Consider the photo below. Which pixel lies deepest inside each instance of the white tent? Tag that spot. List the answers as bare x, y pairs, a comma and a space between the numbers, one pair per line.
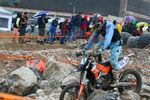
5, 19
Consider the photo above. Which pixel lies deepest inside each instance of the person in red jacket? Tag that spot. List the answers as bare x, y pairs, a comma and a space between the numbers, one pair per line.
84, 24
64, 30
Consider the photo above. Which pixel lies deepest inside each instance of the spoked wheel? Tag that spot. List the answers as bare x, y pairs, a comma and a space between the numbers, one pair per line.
133, 77
70, 92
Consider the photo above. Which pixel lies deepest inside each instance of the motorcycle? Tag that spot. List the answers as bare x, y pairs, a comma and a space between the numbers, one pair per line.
99, 76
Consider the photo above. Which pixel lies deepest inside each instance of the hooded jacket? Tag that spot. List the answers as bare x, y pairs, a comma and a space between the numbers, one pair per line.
84, 23
109, 35
54, 26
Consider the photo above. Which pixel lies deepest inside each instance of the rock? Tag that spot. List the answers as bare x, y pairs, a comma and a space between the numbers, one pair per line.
144, 40
55, 94
4, 85
145, 95
133, 42
94, 93
33, 95
145, 92
148, 82
40, 92
101, 95
125, 36
43, 98
69, 80
130, 95
145, 88
51, 84
24, 81
51, 68
36, 71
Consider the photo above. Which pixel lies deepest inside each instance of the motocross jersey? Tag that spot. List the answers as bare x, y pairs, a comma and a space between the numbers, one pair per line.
109, 31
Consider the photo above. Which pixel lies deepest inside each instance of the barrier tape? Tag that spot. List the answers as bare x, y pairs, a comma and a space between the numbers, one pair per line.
79, 63
68, 61
37, 36
136, 66
15, 57
4, 96
147, 46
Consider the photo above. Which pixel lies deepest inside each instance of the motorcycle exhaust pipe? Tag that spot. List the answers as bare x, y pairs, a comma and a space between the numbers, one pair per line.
126, 84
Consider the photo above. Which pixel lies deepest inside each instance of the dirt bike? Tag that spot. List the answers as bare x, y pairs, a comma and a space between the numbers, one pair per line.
99, 76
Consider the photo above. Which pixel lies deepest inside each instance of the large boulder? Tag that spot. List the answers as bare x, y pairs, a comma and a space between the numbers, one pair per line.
24, 81
133, 42
144, 40
36, 71
54, 75
101, 95
51, 84
52, 68
125, 36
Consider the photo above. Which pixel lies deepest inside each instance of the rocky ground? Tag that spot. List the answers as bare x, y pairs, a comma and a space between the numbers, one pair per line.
50, 88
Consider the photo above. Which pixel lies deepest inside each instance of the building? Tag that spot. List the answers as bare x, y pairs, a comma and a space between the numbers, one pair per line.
121, 8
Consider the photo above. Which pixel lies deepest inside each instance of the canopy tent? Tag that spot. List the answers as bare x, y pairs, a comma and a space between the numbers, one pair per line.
5, 20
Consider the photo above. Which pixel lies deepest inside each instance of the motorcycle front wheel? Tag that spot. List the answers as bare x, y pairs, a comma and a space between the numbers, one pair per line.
131, 75
70, 92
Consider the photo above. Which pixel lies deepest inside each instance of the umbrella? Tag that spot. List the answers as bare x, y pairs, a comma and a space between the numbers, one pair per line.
134, 22
144, 24
129, 18
40, 13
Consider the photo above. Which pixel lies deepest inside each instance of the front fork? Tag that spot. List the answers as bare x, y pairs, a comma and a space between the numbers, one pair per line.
82, 87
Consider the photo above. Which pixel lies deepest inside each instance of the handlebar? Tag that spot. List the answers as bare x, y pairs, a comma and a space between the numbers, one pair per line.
74, 70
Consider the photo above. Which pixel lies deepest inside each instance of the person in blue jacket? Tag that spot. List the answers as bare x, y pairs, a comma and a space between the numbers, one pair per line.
72, 28
52, 31
112, 40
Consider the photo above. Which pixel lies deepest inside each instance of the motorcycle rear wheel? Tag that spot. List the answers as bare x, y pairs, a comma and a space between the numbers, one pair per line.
137, 79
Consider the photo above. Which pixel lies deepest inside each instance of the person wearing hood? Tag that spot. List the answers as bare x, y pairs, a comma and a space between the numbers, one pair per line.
83, 26
119, 26
64, 30
72, 28
52, 31
78, 19
41, 26
23, 24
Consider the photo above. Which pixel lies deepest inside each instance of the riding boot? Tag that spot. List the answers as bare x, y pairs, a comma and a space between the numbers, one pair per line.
115, 78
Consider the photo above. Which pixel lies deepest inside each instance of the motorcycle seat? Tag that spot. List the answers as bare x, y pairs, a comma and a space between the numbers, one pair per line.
107, 62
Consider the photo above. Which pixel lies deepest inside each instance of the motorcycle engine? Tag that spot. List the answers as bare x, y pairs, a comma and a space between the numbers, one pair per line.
104, 81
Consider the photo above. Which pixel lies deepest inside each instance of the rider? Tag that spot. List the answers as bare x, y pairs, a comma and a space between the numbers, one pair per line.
112, 40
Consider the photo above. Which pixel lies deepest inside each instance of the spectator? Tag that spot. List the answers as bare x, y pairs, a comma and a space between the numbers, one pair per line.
64, 27
119, 26
132, 29
88, 29
125, 27
42, 22
52, 31
78, 19
84, 24
23, 24
16, 26
115, 22
72, 28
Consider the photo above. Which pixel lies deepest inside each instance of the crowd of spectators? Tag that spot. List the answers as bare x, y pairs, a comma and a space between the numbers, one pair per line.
77, 27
